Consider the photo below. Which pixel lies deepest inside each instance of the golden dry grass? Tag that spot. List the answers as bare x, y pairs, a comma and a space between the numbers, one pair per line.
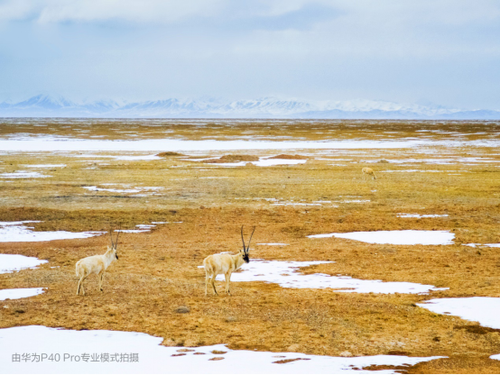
206, 204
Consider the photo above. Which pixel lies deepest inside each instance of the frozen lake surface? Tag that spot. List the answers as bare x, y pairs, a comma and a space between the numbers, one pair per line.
285, 274
133, 352
397, 237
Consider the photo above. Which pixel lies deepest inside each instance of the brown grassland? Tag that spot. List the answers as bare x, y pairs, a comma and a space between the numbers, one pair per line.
206, 203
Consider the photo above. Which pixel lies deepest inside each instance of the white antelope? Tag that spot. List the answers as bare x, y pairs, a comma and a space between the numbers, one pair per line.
96, 264
369, 172
226, 264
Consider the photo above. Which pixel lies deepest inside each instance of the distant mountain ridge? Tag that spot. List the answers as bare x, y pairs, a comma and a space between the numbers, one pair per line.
47, 106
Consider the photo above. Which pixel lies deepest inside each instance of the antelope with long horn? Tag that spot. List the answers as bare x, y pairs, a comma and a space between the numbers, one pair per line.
96, 264
226, 264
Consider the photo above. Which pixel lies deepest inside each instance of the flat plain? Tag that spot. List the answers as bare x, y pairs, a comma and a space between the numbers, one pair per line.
198, 181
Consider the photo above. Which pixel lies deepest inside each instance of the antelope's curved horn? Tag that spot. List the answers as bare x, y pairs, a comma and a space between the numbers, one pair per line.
244, 248
118, 234
111, 237
248, 248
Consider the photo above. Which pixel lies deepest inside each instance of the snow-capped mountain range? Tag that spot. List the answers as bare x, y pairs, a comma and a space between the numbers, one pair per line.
47, 106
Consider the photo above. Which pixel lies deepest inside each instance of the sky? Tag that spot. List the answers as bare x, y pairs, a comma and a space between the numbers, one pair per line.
430, 52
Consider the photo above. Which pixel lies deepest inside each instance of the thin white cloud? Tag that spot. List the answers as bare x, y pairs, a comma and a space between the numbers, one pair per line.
444, 12
14, 10
133, 11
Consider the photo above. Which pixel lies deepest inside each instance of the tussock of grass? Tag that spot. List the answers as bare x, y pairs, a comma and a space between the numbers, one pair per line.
169, 154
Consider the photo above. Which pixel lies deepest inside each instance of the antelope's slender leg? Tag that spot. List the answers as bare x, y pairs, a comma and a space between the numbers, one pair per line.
101, 276
212, 280
80, 285
228, 278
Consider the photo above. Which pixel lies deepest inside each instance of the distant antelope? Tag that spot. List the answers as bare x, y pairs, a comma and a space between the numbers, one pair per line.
226, 264
369, 172
96, 264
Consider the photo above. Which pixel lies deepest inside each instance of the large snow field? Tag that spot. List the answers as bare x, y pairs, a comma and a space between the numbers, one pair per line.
46, 143
284, 273
86, 351
396, 237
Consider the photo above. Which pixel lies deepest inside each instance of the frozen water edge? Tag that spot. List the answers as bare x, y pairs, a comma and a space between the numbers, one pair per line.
154, 358
36, 144
396, 237
15, 262
18, 232
284, 273
477, 309
19, 293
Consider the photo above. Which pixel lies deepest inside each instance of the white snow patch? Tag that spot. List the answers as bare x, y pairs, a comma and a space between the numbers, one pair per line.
95, 188
397, 237
296, 204
420, 216
18, 232
285, 274
143, 228
270, 162
477, 309
485, 244
154, 358
355, 201
19, 293
137, 157
15, 262
45, 165
23, 174
127, 191
281, 202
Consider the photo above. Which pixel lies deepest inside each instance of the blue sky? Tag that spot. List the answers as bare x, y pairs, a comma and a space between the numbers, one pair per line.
444, 52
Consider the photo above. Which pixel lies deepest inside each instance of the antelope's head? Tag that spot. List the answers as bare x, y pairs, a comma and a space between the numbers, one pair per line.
246, 249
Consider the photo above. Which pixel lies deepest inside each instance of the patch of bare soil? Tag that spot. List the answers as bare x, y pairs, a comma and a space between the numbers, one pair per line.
291, 157
233, 159
169, 154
